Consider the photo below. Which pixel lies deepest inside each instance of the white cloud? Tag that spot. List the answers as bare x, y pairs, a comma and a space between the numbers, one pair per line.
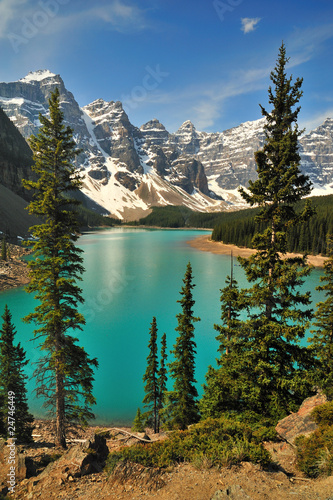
316, 120
9, 10
16, 16
249, 24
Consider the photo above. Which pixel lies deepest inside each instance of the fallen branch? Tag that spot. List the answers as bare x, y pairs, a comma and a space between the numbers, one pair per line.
130, 434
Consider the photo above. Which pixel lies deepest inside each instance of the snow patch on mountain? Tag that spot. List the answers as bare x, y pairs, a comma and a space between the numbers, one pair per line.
37, 76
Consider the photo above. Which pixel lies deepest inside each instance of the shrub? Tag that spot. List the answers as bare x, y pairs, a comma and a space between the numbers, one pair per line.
212, 442
323, 414
315, 453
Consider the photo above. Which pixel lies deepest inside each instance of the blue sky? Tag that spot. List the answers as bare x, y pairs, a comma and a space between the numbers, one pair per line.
207, 61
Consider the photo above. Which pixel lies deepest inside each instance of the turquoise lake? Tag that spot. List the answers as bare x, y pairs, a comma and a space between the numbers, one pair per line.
132, 275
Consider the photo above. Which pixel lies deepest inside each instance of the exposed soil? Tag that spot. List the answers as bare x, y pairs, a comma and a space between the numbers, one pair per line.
14, 271
206, 244
182, 482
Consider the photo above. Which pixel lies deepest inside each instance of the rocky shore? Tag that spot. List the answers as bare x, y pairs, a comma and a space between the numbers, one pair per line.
14, 272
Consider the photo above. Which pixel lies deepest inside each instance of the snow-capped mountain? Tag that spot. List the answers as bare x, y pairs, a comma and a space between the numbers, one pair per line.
124, 171
128, 169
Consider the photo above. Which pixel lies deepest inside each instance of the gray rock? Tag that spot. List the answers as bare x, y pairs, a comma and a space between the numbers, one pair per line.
234, 492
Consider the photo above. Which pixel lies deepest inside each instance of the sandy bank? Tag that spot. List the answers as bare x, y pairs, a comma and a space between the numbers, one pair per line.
205, 244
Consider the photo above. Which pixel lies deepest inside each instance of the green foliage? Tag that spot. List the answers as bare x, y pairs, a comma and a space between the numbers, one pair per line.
272, 363
4, 255
64, 373
12, 382
138, 422
88, 219
239, 228
184, 409
162, 380
151, 379
315, 453
322, 340
180, 216
218, 442
323, 414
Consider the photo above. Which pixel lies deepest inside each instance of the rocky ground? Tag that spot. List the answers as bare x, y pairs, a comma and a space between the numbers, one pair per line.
47, 472
14, 271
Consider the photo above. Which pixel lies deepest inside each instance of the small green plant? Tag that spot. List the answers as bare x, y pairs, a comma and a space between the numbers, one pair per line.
323, 414
315, 453
138, 423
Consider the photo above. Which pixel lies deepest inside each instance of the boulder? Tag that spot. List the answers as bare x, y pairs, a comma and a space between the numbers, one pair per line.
84, 458
300, 423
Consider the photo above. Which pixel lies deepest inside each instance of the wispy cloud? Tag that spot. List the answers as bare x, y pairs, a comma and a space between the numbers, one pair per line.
18, 16
316, 120
249, 24
9, 10
118, 15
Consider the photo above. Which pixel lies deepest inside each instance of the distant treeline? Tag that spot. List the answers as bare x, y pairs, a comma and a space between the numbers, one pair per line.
179, 216
89, 218
238, 228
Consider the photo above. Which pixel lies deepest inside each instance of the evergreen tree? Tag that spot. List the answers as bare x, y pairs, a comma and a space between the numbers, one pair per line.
138, 422
322, 340
184, 408
162, 381
276, 361
222, 391
233, 301
64, 373
16, 416
4, 248
151, 378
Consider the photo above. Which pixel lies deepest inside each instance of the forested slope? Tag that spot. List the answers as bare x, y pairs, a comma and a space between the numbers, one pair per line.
239, 228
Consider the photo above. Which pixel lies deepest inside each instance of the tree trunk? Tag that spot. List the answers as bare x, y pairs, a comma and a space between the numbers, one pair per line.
60, 435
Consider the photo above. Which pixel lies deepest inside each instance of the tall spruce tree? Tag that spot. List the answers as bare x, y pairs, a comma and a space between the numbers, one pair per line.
222, 390
275, 360
184, 407
162, 380
65, 372
14, 416
151, 388
322, 340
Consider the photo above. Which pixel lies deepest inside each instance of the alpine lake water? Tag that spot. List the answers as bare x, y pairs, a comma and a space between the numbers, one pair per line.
132, 275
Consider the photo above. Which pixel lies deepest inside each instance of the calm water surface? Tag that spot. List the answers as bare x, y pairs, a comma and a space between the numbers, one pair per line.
132, 275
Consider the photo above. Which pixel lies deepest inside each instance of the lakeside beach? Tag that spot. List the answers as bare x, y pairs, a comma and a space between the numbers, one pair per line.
206, 244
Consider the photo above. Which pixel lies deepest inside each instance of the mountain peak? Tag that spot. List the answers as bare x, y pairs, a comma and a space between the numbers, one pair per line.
37, 76
187, 125
152, 124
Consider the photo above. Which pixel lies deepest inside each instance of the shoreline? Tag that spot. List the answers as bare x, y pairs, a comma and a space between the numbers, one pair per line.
205, 244
14, 272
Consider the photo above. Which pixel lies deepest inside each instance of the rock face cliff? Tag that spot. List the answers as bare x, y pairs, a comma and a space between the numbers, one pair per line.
15, 157
128, 169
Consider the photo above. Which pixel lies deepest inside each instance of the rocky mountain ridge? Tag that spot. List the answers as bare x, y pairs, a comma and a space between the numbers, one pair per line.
128, 169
